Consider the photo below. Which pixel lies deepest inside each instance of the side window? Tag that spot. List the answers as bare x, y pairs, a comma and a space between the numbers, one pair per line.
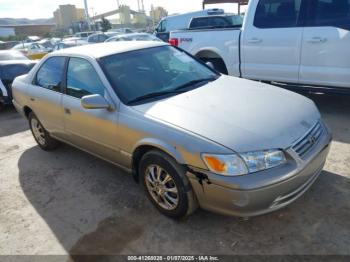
82, 79
200, 22
102, 38
162, 27
220, 22
277, 13
330, 13
50, 73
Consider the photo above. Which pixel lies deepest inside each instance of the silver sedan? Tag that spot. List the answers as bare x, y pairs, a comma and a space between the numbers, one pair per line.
190, 136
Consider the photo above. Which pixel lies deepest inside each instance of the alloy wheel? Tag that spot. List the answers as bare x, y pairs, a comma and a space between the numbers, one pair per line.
161, 187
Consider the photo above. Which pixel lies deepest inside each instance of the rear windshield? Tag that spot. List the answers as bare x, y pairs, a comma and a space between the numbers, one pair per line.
216, 22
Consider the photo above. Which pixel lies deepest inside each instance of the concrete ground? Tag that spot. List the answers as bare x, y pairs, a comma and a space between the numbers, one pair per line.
67, 201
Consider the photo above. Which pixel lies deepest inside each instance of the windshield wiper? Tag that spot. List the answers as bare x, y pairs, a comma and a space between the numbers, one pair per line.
178, 90
153, 95
194, 82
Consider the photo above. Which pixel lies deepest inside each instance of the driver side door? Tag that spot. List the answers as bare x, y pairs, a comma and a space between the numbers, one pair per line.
93, 130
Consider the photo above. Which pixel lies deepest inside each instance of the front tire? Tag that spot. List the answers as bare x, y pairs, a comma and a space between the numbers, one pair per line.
166, 185
41, 136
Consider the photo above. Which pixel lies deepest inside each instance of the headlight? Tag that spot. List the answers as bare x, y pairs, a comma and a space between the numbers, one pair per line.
261, 160
236, 165
228, 165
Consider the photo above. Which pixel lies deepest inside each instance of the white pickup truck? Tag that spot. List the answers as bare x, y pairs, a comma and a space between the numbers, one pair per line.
295, 42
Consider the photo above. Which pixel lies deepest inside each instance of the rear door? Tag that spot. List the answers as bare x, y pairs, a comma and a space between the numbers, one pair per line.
271, 40
45, 94
94, 130
325, 57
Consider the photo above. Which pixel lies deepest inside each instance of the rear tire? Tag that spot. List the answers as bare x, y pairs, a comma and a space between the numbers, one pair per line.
41, 136
219, 64
166, 185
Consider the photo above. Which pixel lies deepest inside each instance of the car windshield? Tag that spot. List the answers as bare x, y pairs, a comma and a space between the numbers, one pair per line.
153, 73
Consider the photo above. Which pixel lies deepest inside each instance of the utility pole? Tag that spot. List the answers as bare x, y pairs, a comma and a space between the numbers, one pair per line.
152, 15
87, 14
143, 6
118, 4
93, 18
138, 5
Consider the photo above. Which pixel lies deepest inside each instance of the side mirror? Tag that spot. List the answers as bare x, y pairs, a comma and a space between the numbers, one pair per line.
95, 102
210, 64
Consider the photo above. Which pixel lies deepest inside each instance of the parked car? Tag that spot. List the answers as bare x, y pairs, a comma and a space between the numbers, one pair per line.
8, 45
9, 69
190, 135
121, 30
289, 42
101, 37
133, 37
216, 21
176, 22
68, 44
48, 43
31, 50
7, 55
84, 35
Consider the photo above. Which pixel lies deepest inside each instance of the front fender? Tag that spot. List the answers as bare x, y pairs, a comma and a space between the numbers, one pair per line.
161, 145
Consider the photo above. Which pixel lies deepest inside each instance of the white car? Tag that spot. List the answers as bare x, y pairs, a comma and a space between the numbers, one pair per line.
291, 42
133, 37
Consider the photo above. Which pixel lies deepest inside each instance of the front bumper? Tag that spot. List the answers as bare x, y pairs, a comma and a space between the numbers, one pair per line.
261, 192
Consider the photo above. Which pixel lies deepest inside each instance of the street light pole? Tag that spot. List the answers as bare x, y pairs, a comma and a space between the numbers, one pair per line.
87, 14
93, 18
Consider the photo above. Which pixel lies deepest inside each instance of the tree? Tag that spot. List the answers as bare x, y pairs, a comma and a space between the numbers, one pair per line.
105, 24
158, 13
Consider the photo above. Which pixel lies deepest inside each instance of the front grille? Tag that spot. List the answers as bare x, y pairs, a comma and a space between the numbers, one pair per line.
306, 143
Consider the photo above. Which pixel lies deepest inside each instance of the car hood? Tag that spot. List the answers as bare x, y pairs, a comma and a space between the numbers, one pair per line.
239, 114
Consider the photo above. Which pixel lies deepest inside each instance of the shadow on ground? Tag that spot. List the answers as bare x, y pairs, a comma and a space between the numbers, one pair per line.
94, 208
18, 123
335, 110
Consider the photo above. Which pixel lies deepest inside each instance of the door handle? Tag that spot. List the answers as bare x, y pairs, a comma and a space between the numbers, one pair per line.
67, 111
255, 40
317, 39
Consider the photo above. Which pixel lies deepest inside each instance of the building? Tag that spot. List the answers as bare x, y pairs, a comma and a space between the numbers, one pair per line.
124, 17
25, 30
66, 15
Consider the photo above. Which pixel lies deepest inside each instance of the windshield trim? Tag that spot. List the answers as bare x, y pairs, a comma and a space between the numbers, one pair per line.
123, 99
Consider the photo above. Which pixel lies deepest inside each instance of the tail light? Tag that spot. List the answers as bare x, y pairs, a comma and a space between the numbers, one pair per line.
174, 41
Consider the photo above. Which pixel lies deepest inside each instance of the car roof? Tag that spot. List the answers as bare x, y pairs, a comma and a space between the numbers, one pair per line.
18, 62
109, 48
10, 51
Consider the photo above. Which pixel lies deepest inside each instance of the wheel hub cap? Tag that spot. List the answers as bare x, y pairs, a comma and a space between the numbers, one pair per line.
161, 187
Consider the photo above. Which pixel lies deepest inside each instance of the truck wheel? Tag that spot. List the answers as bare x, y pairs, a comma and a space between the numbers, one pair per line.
166, 185
41, 136
218, 63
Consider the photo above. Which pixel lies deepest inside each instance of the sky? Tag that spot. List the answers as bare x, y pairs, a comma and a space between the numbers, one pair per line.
33, 9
